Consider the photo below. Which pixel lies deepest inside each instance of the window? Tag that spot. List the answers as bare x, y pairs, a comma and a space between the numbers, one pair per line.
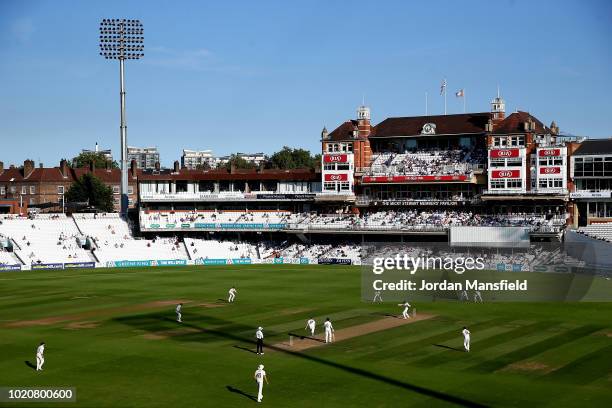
32, 189
498, 162
514, 162
24, 190
2, 190
497, 184
329, 166
13, 189
60, 189
515, 183
130, 189
115, 189
499, 141
516, 141
345, 186
31, 202
343, 166
329, 186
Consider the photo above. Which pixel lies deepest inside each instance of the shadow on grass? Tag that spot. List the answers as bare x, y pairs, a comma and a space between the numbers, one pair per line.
302, 337
32, 366
224, 329
240, 392
245, 349
448, 347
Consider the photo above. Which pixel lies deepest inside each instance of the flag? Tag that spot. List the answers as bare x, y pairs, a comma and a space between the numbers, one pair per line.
443, 87
459, 93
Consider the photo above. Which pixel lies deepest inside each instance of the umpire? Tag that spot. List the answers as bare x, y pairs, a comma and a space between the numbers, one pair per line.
259, 336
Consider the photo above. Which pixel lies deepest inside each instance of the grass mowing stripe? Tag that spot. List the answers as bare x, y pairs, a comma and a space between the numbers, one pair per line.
536, 348
444, 357
438, 338
585, 369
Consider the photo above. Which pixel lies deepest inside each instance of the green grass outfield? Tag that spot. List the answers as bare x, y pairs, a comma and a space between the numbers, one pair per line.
130, 355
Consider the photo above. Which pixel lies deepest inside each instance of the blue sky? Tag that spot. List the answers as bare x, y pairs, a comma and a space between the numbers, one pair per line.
257, 75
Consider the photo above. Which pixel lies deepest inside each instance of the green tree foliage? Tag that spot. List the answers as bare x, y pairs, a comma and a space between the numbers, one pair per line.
83, 160
288, 158
89, 188
239, 163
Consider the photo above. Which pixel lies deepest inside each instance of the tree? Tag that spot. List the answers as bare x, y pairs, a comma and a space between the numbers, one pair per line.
203, 166
85, 158
288, 158
239, 163
89, 188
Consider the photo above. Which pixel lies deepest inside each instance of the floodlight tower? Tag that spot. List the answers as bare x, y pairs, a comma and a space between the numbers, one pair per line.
122, 39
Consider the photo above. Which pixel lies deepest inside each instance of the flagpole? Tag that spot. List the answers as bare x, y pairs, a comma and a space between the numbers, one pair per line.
426, 110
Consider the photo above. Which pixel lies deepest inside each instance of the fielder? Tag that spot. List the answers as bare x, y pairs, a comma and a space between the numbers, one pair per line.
464, 296
260, 377
406, 305
310, 324
179, 314
466, 339
477, 297
377, 297
329, 331
40, 356
259, 336
232, 295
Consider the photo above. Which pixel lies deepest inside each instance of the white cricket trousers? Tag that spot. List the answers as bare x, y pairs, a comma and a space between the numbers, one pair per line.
466, 343
231, 297
179, 317
405, 313
40, 360
312, 330
260, 390
328, 336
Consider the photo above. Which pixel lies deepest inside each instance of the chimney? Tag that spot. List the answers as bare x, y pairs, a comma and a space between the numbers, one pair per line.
133, 168
232, 167
40, 165
176, 166
28, 168
64, 168
1, 167
157, 167
92, 166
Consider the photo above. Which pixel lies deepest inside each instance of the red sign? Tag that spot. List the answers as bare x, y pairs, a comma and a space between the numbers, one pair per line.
405, 179
335, 158
502, 174
503, 153
549, 152
550, 170
336, 177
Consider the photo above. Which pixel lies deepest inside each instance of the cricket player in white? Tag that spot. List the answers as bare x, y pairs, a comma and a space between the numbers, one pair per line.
377, 297
232, 295
179, 314
260, 377
464, 296
40, 356
329, 331
466, 339
477, 297
406, 306
310, 324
